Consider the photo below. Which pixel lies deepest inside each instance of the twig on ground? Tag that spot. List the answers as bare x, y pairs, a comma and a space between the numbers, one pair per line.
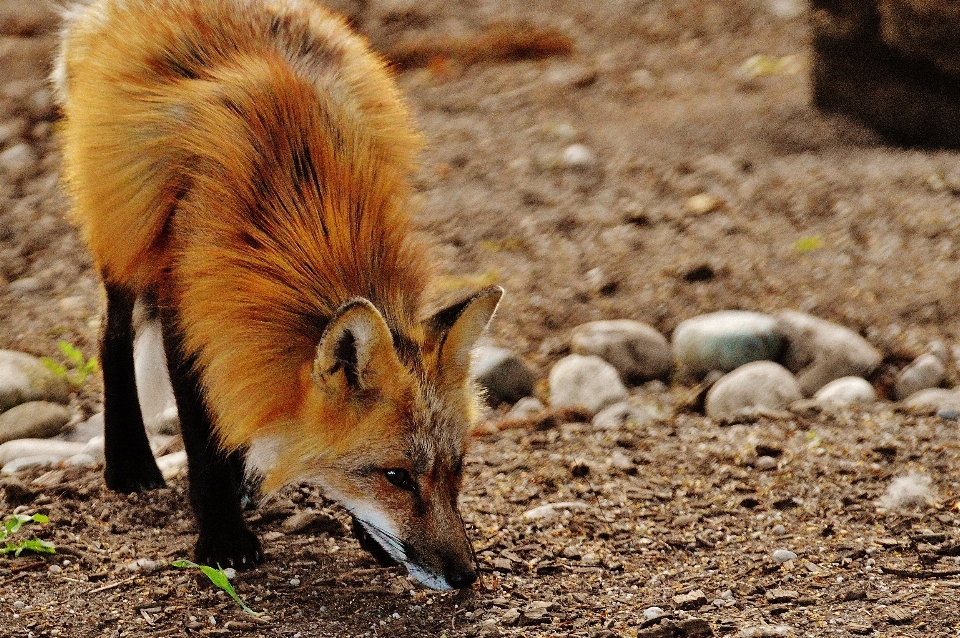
919, 573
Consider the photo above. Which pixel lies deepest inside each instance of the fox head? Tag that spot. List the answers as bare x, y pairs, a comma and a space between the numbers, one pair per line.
384, 428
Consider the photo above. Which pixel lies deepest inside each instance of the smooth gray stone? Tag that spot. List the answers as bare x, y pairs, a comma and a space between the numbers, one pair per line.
502, 373
756, 386
926, 371
586, 382
725, 341
638, 351
33, 420
24, 378
846, 391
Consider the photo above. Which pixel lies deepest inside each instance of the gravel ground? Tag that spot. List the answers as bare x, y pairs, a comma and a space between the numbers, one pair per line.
697, 188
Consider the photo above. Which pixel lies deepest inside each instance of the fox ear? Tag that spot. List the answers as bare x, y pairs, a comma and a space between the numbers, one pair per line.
355, 344
457, 328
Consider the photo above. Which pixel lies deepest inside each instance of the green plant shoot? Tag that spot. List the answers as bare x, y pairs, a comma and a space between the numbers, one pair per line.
218, 578
12, 525
78, 368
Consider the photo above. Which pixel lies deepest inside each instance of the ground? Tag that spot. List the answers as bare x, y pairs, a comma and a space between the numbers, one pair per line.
801, 211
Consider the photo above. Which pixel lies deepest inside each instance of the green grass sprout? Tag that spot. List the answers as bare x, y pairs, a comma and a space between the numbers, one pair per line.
77, 369
808, 244
218, 578
12, 525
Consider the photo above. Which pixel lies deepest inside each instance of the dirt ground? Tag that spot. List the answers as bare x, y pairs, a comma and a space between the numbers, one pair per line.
802, 212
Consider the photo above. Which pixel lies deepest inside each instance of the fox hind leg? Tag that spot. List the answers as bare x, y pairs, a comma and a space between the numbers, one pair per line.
130, 466
224, 538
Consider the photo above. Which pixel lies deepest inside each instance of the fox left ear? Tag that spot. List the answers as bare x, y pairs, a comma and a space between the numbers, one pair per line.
457, 328
357, 344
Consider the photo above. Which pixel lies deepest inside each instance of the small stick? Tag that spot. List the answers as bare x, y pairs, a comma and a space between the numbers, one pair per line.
112, 585
20, 568
919, 573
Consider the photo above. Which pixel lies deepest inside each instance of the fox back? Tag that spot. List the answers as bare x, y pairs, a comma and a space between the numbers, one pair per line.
244, 165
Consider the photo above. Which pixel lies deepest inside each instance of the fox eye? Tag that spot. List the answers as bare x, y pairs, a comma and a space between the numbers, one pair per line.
401, 478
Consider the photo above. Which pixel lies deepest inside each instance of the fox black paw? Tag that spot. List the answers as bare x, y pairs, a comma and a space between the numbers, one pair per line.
130, 479
366, 541
239, 549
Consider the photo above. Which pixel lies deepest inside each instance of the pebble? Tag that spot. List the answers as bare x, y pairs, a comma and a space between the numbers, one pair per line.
724, 341
294, 582
765, 463
756, 386
637, 350
551, 510
766, 631
300, 521
820, 351
778, 530
846, 391
691, 600
94, 448
45, 448
146, 565
27, 284
652, 612
172, 464
18, 161
33, 420
525, 408
587, 382
578, 157
621, 461
926, 371
157, 403
619, 414
24, 378
55, 569
14, 466
934, 399
502, 373
19, 604
783, 555
230, 573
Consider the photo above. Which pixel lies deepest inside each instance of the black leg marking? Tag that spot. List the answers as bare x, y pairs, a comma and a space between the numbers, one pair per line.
224, 538
130, 466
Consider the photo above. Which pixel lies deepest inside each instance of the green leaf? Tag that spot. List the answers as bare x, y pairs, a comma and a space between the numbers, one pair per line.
808, 244
54, 367
218, 578
72, 353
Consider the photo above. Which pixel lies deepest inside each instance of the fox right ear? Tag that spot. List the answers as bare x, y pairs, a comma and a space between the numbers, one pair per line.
356, 344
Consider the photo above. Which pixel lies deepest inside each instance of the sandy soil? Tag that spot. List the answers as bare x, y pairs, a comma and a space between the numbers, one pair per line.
805, 212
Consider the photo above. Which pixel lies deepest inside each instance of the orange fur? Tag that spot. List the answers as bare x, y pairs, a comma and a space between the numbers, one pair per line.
189, 145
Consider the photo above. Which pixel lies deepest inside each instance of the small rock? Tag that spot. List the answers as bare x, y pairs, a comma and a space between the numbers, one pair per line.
172, 464
926, 371
142, 565
900, 615
33, 420
94, 449
693, 600
85, 431
27, 284
502, 373
702, 204
55, 569
300, 521
19, 161
294, 582
45, 448
652, 612
617, 415
587, 382
638, 351
23, 462
525, 408
756, 386
934, 399
846, 391
80, 460
819, 351
724, 341
764, 463
551, 510
24, 378
510, 617
578, 157
783, 555
778, 530
621, 461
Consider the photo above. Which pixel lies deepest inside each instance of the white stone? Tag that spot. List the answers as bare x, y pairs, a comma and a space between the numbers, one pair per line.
783, 555
578, 157
619, 414
550, 510
638, 351
652, 612
51, 448
846, 391
587, 382
94, 449
926, 371
724, 341
819, 351
172, 464
33, 420
80, 460
24, 378
18, 161
502, 373
17, 464
934, 399
756, 386
157, 403
525, 408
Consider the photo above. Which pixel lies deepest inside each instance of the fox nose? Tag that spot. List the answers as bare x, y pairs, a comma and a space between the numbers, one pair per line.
462, 579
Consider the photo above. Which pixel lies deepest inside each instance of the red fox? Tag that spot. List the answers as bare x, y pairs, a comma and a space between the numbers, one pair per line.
241, 168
